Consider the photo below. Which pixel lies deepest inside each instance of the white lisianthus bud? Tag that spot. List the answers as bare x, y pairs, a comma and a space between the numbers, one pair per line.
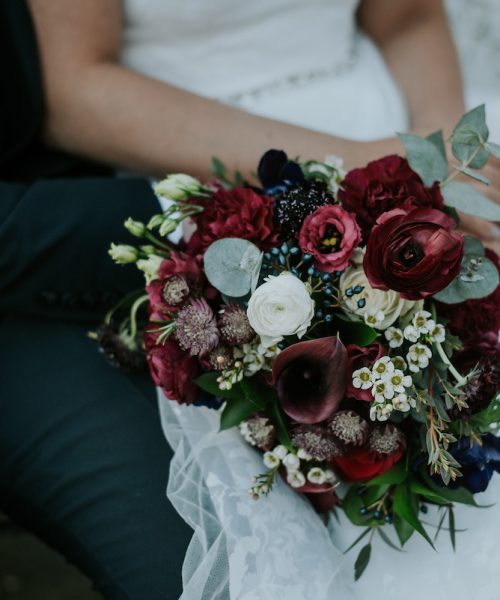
358, 296
167, 227
123, 254
150, 266
280, 306
155, 221
178, 186
136, 228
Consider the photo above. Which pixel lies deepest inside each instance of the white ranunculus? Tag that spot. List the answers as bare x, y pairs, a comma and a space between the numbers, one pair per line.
388, 302
280, 306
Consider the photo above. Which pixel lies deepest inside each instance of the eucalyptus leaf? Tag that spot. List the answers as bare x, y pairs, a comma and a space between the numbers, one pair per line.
469, 136
437, 139
362, 561
474, 174
478, 278
464, 197
493, 149
424, 158
473, 246
232, 265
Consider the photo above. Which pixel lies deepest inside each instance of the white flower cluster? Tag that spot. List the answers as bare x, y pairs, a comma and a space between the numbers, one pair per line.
388, 384
251, 358
292, 463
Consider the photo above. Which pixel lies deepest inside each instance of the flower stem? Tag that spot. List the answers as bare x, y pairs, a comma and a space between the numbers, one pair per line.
133, 315
460, 379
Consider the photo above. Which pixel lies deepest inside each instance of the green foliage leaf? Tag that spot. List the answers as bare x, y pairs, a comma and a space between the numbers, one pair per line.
232, 265
235, 411
396, 475
362, 561
425, 158
374, 493
418, 488
405, 505
358, 539
469, 136
387, 539
478, 278
355, 332
464, 197
473, 174
278, 419
352, 504
460, 495
208, 383
403, 529
451, 525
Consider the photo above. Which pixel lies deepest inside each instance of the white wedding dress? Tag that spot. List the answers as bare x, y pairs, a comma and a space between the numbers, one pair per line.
304, 63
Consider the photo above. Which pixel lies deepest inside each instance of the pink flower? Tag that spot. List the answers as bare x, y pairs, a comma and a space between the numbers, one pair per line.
330, 234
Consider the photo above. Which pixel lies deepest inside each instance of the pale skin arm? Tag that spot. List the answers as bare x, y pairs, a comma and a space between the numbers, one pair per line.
100, 109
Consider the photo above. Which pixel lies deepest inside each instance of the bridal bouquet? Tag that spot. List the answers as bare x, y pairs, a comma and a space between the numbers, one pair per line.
340, 320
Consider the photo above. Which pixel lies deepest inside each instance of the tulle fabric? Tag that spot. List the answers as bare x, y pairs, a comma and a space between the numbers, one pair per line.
279, 548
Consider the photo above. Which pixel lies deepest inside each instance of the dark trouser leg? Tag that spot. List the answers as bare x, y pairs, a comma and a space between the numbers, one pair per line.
84, 463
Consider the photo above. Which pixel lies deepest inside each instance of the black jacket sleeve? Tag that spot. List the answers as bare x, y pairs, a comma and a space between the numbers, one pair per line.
54, 238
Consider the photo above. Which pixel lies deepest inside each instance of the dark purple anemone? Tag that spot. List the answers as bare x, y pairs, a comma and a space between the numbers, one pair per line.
310, 378
276, 172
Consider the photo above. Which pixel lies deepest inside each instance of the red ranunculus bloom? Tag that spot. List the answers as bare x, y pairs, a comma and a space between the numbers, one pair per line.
174, 371
365, 464
383, 185
415, 253
359, 357
475, 319
240, 213
330, 234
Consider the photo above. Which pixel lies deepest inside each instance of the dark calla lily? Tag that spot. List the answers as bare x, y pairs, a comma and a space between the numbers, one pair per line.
310, 378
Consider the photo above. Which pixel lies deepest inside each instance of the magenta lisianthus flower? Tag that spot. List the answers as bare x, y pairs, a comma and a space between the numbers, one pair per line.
310, 378
330, 234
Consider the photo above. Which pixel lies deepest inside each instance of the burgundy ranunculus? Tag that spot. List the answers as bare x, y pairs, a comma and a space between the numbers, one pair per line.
236, 213
174, 371
485, 385
359, 357
415, 253
330, 234
474, 319
383, 185
310, 378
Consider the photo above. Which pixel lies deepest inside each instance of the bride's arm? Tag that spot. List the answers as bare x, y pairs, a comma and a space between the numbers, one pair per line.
414, 38
100, 109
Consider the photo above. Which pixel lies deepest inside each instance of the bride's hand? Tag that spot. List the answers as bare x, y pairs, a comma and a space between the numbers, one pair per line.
487, 231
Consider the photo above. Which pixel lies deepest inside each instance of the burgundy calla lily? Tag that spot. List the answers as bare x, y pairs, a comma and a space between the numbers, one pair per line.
310, 378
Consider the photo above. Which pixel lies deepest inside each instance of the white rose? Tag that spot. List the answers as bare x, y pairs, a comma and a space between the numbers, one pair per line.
280, 306
388, 302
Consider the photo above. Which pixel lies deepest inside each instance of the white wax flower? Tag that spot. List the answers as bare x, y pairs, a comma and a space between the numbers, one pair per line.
387, 302
280, 306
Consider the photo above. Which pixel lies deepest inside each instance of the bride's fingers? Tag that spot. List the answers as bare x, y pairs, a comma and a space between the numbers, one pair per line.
484, 230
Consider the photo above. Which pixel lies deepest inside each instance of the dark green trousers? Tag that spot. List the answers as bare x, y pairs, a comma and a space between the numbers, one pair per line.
83, 461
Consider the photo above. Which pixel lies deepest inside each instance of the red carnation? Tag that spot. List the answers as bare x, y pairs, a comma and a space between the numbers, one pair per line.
236, 213
475, 319
415, 253
330, 234
383, 185
359, 357
174, 371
